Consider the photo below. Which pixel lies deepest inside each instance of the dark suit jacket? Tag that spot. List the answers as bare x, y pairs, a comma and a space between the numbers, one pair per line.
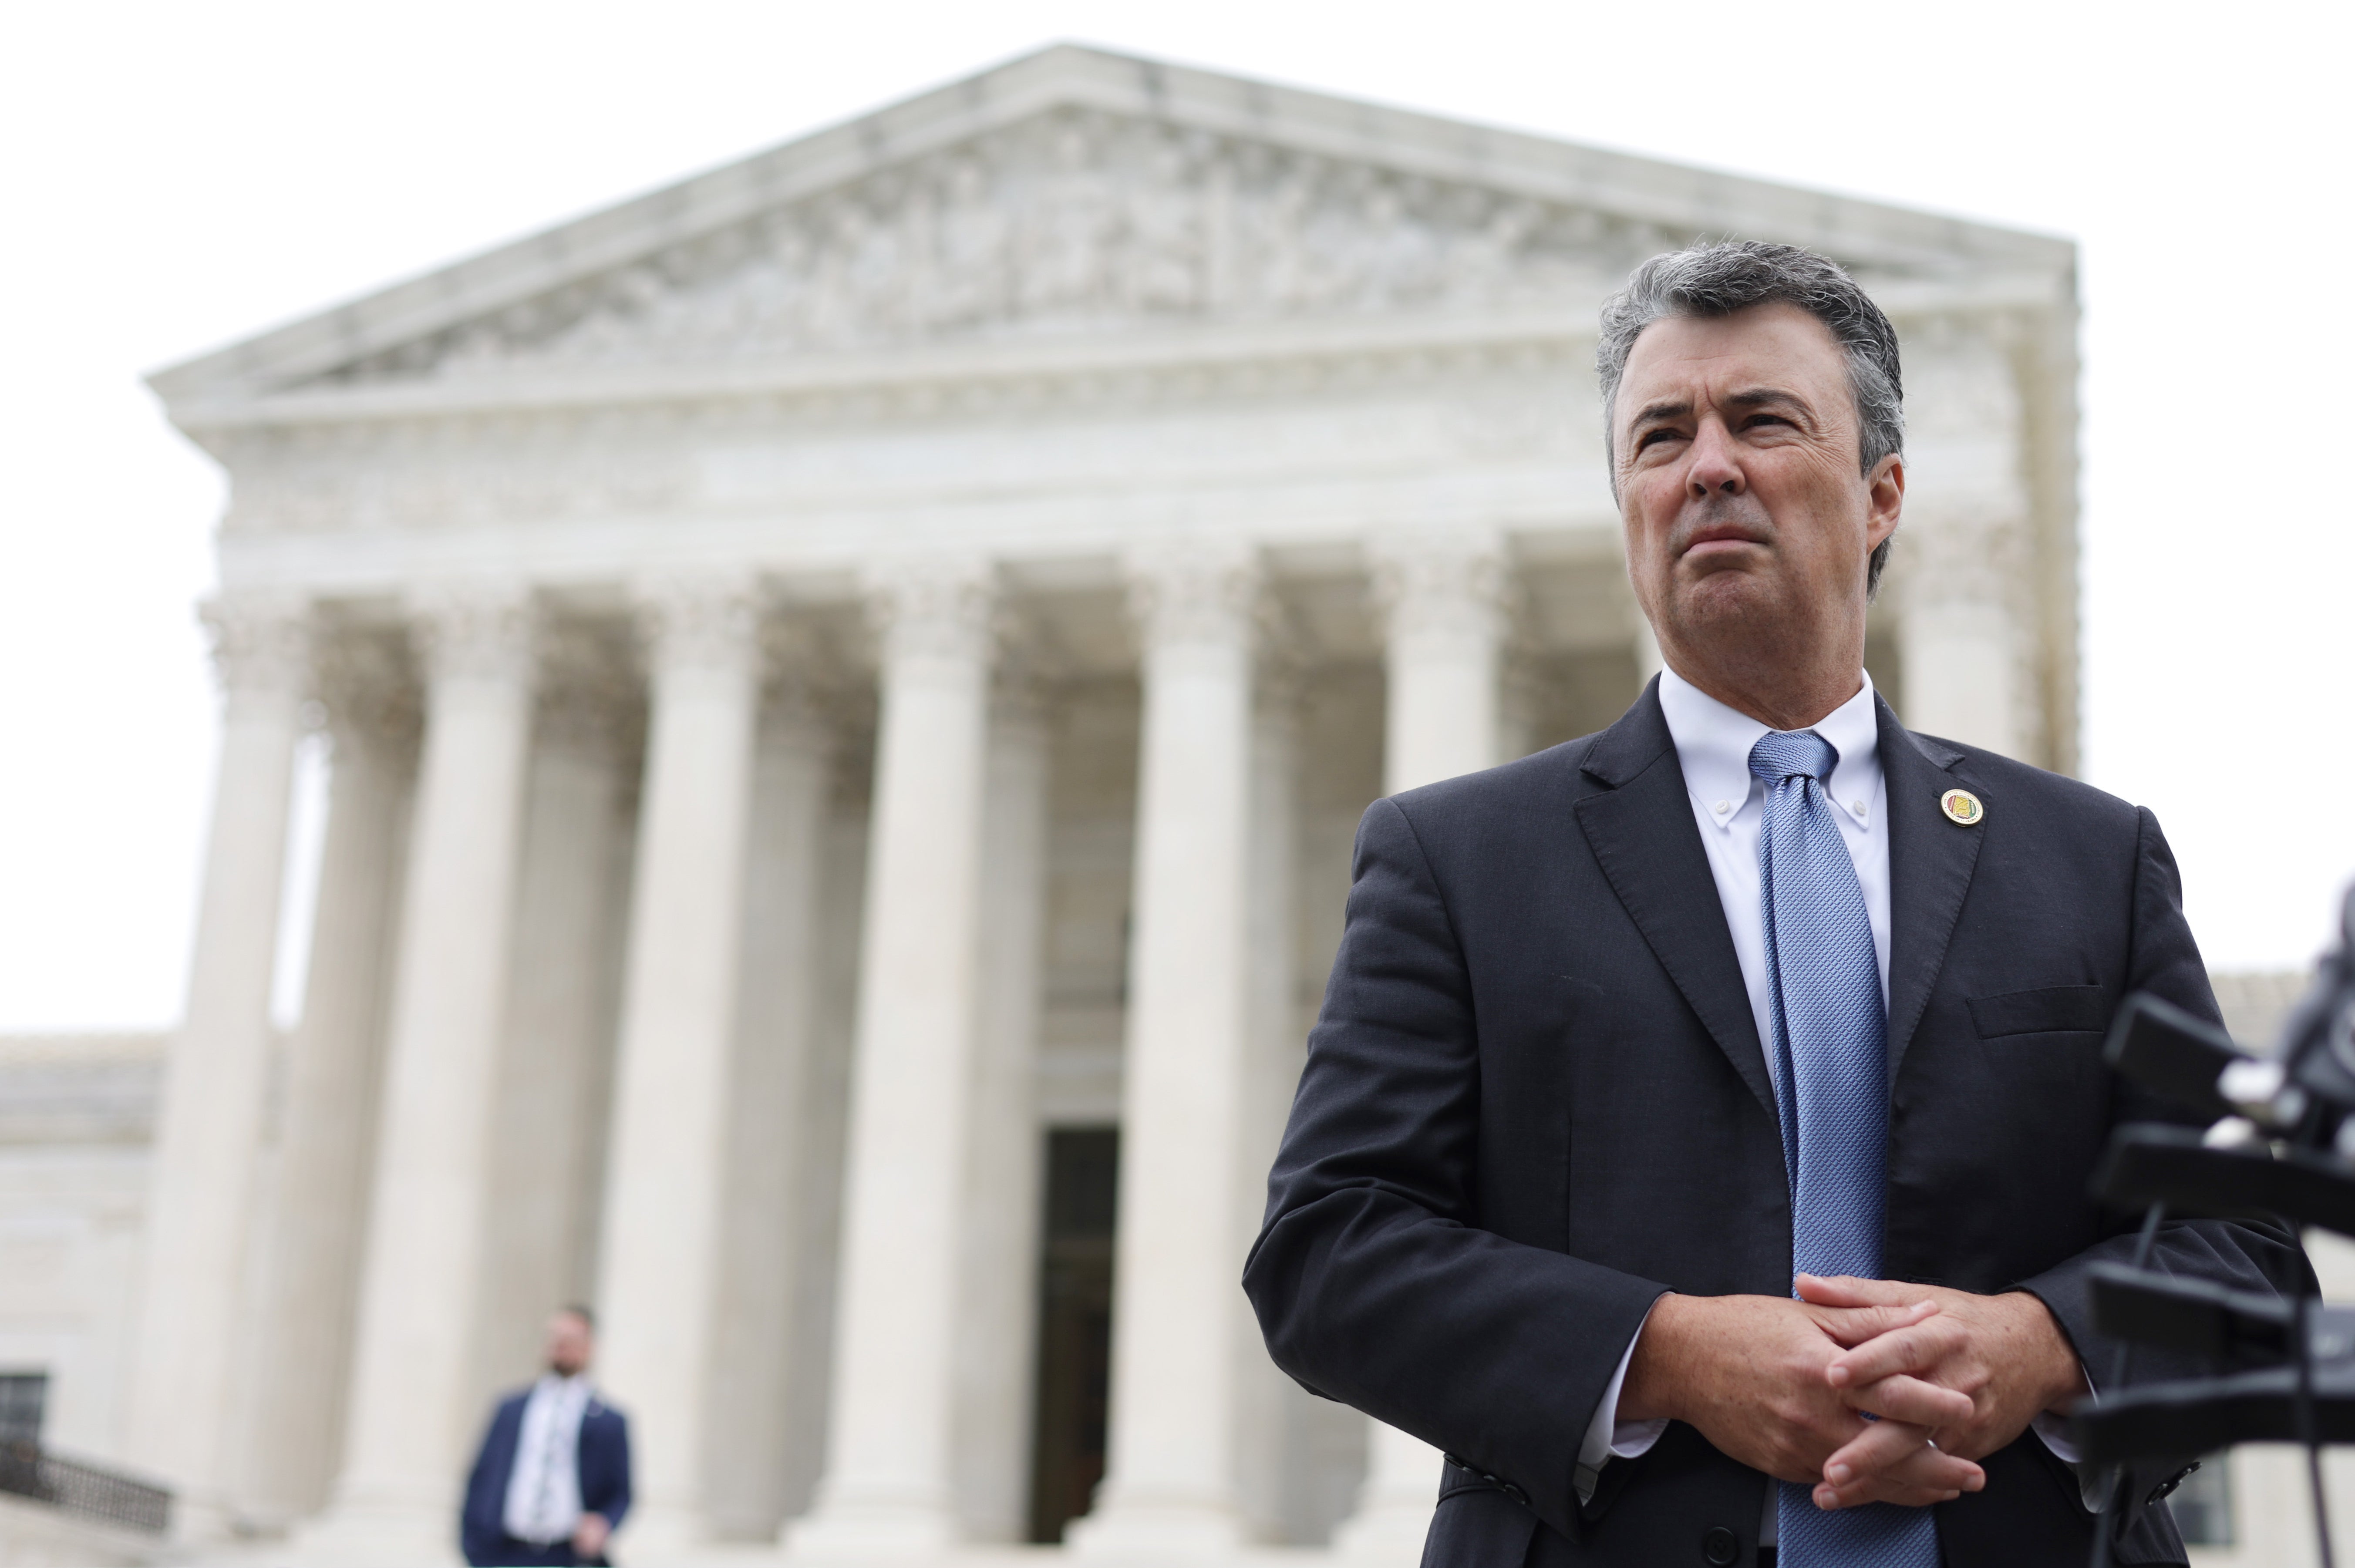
1536, 1100
604, 1472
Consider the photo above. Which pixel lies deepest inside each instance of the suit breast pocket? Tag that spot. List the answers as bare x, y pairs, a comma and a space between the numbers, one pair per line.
2046, 1045
2048, 1009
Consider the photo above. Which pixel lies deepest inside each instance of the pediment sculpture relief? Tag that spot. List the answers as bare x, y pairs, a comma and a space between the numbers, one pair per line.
1072, 222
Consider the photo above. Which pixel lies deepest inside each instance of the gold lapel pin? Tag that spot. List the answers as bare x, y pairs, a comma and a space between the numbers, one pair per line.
1961, 807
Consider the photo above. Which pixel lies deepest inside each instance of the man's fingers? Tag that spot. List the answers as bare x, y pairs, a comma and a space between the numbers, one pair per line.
1899, 1451
1879, 1448
1915, 1347
1910, 1400
1918, 1475
1849, 1327
1831, 1498
1848, 1290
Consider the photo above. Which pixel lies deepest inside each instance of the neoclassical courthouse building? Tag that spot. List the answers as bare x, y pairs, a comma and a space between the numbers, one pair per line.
849, 683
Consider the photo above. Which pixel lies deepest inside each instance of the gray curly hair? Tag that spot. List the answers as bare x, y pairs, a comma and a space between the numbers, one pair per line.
1721, 279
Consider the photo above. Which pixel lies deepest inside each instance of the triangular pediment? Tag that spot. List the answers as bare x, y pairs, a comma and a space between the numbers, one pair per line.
1074, 221
1072, 193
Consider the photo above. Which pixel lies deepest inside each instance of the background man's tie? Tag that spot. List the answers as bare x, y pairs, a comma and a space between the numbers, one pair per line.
1830, 1051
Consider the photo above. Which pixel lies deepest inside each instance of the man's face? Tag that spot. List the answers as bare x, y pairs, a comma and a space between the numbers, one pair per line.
570, 1345
1736, 441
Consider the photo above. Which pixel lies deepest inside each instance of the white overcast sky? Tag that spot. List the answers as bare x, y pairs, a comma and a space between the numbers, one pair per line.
183, 174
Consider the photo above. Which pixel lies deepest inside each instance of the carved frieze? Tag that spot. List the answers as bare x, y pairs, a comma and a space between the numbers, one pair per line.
1075, 220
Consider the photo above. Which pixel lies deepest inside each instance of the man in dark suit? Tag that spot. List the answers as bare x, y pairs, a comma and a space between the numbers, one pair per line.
1696, 1139
552, 1481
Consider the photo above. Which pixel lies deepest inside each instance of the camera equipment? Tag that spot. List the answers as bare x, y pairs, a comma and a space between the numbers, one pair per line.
2281, 1146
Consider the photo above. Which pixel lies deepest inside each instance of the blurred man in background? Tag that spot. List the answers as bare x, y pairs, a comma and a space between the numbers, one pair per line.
552, 1481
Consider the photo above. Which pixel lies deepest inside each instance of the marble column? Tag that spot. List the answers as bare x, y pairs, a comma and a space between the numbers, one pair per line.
1444, 629
889, 1487
295, 1424
997, 1350
1170, 1485
404, 1446
1272, 1467
773, 1103
1442, 598
665, 1182
1958, 639
557, 1044
210, 1131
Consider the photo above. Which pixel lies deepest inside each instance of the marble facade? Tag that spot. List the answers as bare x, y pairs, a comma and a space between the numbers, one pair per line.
838, 670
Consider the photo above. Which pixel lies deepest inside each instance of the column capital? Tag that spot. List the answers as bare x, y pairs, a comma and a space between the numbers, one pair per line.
477, 632
1440, 582
1189, 593
261, 642
939, 608
1959, 555
701, 623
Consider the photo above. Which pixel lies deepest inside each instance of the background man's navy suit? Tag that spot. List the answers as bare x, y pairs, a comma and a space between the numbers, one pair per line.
1536, 1099
604, 1484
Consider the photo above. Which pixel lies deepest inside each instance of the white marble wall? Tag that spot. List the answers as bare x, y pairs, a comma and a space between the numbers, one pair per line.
77, 1126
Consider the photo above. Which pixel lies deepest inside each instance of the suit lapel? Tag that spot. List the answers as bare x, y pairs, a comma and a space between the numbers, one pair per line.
1642, 832
1930, 864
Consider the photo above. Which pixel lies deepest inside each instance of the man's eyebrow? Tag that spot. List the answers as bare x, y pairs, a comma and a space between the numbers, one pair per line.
1669, 409
1762, 397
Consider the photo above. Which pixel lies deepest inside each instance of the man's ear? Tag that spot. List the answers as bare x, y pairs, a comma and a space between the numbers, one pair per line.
1884, 490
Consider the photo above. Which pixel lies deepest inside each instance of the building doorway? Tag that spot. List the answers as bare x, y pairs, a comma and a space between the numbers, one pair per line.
1074, 1393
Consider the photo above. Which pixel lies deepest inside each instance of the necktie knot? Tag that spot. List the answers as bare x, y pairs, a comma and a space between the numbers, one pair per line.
1791, 753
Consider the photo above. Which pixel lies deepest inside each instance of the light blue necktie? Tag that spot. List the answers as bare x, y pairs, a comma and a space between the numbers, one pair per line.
1831, 1054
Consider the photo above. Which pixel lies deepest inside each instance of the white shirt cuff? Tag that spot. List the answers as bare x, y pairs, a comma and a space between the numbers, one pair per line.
1607, 1436
2052, 1431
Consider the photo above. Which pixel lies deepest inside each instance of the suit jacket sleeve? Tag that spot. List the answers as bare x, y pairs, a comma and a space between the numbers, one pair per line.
480, 1523
1373, 1281
2246, 1254
605, 1466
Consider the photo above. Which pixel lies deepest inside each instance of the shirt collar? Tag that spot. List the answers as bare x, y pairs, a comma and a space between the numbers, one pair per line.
1713, 743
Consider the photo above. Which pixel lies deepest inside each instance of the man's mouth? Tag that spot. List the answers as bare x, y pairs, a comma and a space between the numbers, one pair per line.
1720, 538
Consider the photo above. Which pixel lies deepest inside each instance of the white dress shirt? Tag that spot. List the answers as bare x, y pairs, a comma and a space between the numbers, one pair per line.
1713, 744
543, 1503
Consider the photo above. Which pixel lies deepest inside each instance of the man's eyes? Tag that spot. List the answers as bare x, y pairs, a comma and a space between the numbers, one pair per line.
1646, 438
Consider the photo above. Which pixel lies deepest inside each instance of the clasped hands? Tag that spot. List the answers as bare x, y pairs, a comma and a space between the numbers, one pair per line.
1875, 1391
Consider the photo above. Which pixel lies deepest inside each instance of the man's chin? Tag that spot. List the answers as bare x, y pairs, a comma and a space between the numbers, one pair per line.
1721, 602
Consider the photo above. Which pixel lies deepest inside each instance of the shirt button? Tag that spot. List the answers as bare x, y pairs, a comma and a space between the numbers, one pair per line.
1856, 807
1723, 806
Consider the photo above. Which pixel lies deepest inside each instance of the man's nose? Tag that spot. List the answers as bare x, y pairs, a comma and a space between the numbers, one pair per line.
1714, 471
